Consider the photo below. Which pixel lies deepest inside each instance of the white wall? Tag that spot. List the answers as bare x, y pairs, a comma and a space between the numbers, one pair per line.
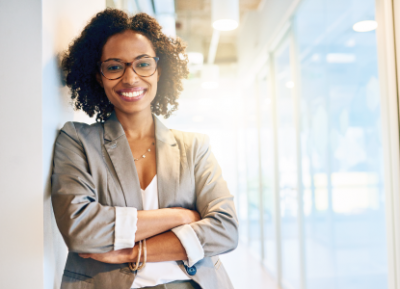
34, 106
21, 186
62, 21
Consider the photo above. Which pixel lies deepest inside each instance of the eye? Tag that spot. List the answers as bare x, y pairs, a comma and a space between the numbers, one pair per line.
114, 68
143, 64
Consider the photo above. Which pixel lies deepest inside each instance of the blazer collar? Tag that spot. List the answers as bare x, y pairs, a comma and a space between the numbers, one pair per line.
167, 160
114, 130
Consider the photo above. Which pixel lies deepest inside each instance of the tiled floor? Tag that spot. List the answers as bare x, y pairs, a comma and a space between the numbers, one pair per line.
245, 271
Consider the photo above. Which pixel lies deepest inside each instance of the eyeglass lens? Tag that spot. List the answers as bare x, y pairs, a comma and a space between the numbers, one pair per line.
113, 69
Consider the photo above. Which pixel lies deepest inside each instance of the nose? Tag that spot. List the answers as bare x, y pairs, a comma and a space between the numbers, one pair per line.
130, 77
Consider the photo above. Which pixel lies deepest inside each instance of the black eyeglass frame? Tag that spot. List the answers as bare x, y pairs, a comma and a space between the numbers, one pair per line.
127, 64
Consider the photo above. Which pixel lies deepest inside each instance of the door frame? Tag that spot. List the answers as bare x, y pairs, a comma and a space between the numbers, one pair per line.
388, 33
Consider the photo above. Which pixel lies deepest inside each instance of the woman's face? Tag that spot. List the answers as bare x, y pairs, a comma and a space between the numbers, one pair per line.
131, 93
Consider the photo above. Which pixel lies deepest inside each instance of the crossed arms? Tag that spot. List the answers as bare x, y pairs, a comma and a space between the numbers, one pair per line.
88, 227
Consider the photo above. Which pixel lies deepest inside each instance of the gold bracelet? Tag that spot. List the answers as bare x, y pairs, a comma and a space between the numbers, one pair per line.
135, 267
144, 255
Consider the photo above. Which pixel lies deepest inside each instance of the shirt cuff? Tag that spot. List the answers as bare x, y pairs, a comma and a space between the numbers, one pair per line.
191, 243
125, 227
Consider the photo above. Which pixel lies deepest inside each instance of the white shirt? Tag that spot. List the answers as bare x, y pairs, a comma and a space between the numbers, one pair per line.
160, 272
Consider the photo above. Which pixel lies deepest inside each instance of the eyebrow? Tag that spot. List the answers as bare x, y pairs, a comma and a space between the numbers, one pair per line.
137, 57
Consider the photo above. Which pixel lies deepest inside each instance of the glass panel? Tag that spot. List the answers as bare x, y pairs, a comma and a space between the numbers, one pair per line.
267, 170
253, 177
287, 169
219, 114
341, 146
241, 200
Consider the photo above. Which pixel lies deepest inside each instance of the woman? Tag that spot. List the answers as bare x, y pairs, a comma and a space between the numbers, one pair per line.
138, 205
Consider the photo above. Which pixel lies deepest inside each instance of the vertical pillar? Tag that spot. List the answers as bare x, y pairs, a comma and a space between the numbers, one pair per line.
21, 187
34, 106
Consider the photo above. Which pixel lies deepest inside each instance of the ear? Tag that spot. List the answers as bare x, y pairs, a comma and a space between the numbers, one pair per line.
99, 80
158, 73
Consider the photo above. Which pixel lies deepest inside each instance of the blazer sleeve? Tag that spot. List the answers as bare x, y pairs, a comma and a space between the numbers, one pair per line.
218, 228
86, 225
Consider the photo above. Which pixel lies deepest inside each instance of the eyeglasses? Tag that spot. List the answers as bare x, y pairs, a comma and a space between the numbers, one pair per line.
113, 68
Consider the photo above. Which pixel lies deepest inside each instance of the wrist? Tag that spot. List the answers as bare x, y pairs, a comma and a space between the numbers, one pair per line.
188, 217
134, 253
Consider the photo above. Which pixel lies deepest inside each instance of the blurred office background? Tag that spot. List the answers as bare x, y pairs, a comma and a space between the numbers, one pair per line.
300, 100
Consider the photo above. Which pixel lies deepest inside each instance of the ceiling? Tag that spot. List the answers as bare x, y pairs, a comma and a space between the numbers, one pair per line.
193, 25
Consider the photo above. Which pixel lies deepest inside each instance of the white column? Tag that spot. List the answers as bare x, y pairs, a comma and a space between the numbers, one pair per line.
21, 186
62, 21
34, 106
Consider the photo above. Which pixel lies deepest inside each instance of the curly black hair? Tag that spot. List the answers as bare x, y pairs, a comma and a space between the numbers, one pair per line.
79, 62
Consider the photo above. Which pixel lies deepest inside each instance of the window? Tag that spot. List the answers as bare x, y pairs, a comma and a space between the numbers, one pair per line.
341, 148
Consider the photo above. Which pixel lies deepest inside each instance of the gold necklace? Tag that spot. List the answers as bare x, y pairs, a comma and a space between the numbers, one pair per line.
144, 154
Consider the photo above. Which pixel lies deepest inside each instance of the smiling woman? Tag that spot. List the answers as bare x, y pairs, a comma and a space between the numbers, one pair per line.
81, 61
138, 205
121, 84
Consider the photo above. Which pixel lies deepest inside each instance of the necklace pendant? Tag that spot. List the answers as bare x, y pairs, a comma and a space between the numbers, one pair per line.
143, 156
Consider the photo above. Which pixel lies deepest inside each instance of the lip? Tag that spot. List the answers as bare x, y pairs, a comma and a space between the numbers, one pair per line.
133, 98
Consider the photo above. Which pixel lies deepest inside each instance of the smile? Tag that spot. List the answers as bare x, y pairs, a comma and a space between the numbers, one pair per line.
132, 95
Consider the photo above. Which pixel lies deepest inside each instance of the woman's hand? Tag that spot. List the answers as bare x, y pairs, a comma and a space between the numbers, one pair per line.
112, 257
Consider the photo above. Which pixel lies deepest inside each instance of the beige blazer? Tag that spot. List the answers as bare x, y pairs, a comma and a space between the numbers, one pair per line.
94, 172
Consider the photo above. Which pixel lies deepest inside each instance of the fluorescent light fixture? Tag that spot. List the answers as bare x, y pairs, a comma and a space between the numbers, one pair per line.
340, 58
225, 14
225, 24
365, 26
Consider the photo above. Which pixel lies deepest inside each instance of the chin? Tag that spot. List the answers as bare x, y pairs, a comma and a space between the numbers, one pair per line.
133, 109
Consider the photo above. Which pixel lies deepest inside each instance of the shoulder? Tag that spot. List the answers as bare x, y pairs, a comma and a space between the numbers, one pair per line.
79, 130
193, 142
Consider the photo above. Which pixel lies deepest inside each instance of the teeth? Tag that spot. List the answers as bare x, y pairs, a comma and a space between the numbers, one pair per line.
133, 93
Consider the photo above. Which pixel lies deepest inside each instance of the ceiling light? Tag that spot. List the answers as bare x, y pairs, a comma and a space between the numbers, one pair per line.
365, 26
225, 14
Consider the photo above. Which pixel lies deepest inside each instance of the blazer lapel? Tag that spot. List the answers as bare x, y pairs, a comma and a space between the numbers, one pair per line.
168, 164
118, 149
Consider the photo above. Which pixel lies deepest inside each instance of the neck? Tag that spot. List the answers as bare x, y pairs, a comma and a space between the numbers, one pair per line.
137, 125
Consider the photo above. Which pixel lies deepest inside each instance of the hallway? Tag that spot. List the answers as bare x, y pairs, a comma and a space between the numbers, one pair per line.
246, 271
299, 99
